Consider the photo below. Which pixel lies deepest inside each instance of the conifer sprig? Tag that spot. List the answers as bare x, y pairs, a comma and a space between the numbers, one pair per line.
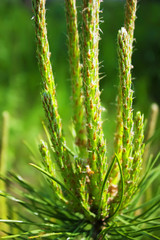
129, 25
77, 97
95, 142
129, 133
76, 76
89, 198
48, 94
130, 16
124, 53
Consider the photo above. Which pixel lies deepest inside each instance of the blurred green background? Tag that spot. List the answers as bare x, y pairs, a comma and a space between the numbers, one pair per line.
20, 78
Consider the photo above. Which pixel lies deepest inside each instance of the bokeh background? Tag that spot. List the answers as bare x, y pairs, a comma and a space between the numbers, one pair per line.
20, 78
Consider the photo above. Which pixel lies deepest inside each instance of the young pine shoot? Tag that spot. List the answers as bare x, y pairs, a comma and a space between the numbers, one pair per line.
92, 195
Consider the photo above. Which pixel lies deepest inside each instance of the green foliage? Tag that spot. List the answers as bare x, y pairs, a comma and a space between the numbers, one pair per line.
47, 218
88, 196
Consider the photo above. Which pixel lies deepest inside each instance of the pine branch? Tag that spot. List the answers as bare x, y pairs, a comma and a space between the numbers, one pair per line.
48, 95
89, 198
75, 71
124, 53
48, 92
96, 144
124, 139
130, 16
